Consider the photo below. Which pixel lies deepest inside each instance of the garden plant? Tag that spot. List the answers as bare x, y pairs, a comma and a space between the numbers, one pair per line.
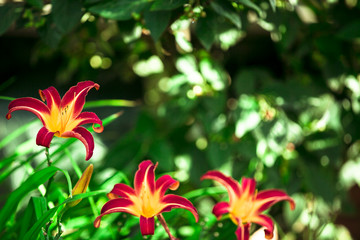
180, 119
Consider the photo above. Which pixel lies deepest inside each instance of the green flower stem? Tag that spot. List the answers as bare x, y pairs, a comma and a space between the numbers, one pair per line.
79, 173
48, 156
163, 223
49, 164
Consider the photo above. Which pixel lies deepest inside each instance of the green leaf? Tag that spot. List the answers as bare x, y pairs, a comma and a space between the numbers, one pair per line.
162, 152
250, 4
39, 206
156, 22
350, 31
110, 103
30, 184
66, 13
36, 3
9, 13
167, 4
27, 219
201, 192
51, 33
119, 9
226, 10
33, 232
205, 30
7, 98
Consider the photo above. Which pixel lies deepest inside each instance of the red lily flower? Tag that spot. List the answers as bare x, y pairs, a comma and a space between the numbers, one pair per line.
246, 204
147, 199
61, 117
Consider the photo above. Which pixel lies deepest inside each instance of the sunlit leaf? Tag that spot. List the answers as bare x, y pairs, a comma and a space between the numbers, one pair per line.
110, 103
119, 9
273, 4
250, 4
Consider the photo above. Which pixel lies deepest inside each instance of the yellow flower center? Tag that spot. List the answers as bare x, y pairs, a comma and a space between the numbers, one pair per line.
146, 204
60, 120
243, 209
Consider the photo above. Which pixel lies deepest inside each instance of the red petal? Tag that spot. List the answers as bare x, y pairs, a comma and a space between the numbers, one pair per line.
122, 190
164, 183
85, 137
44, 137
220, 209
90, 117
76, 95
29, 104
231, 185
267, 198
116, 205
147, 225
51, 96
248, 186
243, 231
145, 177
266, 222
171, 201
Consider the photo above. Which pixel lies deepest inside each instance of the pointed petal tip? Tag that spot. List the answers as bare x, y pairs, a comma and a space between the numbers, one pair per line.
111, 196
99, 129
292, 204
97, 222
97, 86
268, 234
42, 95
8, 116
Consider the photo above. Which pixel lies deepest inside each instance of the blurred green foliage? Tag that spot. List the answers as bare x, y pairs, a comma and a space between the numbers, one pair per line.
263, 89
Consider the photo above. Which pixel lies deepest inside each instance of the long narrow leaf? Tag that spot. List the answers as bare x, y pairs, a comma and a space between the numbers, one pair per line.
27, 219
30, 184
110, 103
7, 98
32, 233
209, 191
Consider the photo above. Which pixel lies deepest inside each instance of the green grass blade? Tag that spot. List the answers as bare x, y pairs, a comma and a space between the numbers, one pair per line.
19, 131
110, 103
7, 98
205, 192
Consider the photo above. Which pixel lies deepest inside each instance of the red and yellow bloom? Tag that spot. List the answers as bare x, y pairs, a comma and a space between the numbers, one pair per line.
61, 117
147, 199
246, 205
